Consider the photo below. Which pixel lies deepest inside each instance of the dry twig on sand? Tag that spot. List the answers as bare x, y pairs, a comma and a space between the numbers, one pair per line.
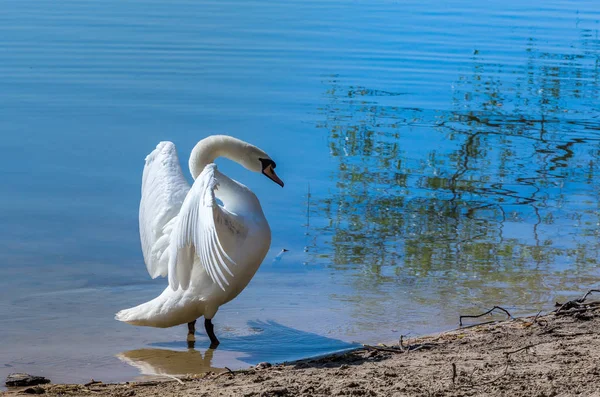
576, 305
460, 318
401, 348
92, 382
507, 354
228, 372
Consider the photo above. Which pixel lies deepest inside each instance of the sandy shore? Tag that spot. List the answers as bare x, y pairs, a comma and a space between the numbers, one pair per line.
557, 354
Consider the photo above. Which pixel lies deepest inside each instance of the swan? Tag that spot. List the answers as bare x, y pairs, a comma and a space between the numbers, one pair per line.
209, 239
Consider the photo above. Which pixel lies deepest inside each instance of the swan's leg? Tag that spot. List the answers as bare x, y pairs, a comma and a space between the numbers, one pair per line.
191, 331
208, 325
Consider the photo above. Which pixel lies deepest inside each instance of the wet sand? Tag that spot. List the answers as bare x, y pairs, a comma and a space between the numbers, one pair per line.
557, 354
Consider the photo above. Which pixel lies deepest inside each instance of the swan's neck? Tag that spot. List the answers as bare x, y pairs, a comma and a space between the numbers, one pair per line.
208, 149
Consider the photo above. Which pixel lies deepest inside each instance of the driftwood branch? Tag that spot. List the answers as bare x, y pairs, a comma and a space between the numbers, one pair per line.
483, 314
524, 348
401, 342
582, 299
401, 349
228, 372
476, 325
384, 349
92, 382
576, 305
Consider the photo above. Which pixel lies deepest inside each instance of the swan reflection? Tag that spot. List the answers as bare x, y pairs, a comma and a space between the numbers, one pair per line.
153, 361
268, 341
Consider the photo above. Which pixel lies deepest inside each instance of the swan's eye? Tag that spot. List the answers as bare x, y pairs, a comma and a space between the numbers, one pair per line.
267, 162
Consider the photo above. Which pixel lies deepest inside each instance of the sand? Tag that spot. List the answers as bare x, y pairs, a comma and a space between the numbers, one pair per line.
557, 354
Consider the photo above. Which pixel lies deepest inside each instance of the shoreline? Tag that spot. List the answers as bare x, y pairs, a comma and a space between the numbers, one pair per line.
545, 355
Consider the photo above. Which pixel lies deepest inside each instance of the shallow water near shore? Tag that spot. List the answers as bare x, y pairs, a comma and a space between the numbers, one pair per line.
438, 161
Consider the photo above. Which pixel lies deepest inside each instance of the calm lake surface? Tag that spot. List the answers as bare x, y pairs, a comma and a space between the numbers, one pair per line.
439, 160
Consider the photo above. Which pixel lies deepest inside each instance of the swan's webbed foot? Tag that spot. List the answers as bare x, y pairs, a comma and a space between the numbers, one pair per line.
191, 331
208, 325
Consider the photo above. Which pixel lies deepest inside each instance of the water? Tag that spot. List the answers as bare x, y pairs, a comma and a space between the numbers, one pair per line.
438, 160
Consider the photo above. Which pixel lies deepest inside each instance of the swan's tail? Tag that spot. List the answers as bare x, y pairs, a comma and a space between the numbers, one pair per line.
166, 310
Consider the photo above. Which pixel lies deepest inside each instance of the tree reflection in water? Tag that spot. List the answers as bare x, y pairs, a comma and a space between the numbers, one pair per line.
492, 198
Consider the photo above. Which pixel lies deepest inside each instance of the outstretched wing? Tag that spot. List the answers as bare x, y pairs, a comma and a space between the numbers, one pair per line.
195, 233
164, 189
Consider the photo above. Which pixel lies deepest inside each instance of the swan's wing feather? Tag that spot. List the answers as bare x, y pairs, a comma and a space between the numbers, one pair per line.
195, 232
164, 189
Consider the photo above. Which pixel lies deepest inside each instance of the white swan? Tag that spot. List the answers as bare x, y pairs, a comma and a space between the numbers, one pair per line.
209, 239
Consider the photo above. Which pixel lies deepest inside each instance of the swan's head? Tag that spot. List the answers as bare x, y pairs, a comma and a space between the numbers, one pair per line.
251, 157
257, 160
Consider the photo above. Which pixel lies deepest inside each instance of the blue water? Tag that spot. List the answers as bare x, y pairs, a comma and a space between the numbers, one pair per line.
438, 159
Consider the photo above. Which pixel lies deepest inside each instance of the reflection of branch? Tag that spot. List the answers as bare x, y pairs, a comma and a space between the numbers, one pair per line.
530, 181
447, 124
464, 150
562, 161
375, 180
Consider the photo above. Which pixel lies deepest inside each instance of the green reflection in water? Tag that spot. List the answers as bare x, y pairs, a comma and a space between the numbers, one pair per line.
493, 197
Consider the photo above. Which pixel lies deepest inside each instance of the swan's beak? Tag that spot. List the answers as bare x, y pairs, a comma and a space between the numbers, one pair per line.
270, 173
